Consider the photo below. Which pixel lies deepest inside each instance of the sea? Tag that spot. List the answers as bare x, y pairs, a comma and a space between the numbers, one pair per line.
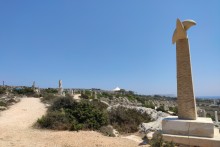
208, 97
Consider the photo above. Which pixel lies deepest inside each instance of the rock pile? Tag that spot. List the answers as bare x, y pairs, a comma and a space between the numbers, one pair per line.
156, 117
121, 101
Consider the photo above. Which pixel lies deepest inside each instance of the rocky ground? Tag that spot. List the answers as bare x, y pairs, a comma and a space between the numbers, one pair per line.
16, 130
156, 117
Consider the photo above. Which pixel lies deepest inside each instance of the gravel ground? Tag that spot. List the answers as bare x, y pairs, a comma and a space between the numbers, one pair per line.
16, 130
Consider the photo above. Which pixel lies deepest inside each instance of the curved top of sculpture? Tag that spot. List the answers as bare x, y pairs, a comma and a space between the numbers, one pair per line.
181, 28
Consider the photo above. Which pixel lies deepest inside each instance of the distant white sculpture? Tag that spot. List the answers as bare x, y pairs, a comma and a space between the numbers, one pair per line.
95, 95
214, 102
60, 89
38, 90
216, 116
204, 113
72, 92
33, 85
60, 83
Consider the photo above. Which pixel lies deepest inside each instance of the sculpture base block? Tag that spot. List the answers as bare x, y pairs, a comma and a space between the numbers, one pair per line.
201, 127
195, 141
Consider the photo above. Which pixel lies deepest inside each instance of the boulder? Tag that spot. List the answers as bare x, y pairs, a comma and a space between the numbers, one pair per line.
151, 126
109, 131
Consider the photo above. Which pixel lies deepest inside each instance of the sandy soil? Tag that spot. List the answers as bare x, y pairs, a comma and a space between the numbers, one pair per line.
16, 130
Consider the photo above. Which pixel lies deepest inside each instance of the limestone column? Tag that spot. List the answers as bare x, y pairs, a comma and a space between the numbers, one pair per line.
95, 95
216, 116
60, 89
214, 102
33, 85
204, 113
185, 94
72, 93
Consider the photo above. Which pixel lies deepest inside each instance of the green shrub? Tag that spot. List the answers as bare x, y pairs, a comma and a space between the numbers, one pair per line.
48, 98
99, 105
161, 108
84, 96
50, 90
54, 120
65, 113
36, 95
3, 104
157, 141
174, 109
24, 91
127, 120
62, 103
210, 116
76, 126
149, 104
2, 90
107, 95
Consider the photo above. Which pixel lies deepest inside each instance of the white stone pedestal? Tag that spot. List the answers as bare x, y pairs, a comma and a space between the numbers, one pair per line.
201, 127
200, 132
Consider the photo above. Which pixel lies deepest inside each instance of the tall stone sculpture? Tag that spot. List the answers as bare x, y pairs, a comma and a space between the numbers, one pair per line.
95, 95
60, 83
216, 116
187, 128
72, 92
33, 85
185, 94
60, 89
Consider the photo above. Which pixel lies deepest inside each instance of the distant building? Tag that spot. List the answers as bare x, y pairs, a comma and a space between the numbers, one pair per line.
116, 89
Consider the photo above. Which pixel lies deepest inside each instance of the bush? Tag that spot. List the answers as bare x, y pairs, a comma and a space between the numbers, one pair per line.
107, 95
127, 120
62, 103
99, 105
84, 96
54, 120
210, 116
76, 127
24, 91
2, 90
161, 108
157, 141
65, 113
174, 109
3, 104
50, 90
149, 104
48, 98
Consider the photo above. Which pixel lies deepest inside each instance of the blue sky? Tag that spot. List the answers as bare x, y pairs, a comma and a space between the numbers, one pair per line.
104, 44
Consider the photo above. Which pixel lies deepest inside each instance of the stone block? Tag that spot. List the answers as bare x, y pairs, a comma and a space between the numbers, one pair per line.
193, 141
202, 127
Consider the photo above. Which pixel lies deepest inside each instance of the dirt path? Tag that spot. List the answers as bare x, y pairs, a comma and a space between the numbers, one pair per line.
16, 130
